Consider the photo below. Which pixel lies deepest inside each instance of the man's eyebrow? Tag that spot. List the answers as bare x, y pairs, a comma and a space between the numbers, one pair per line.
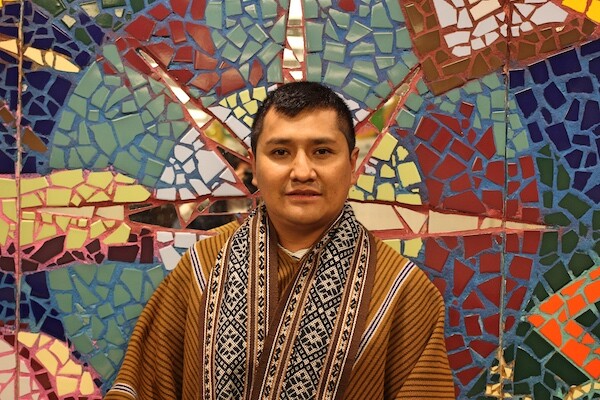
287, 141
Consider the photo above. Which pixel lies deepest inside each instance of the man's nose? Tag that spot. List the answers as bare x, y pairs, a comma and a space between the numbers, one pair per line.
302, 168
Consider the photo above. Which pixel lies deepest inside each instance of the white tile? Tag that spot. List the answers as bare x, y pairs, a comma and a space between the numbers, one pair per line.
170, 257
524, 9
164, 236
477, 44
209, 164
503, 29
166, 194
182, 153
526, 26
198, 145
186, 194
190, 166
225, 189
484, 8
220, 112
458, 3
516, 18
548, 13
461, 51
199, 187
190, 137
360, 115
515, 31
238, 128
168, 175
491, 37
185, 240
180, 179
487, 25
464, 19
456, 38
228, 176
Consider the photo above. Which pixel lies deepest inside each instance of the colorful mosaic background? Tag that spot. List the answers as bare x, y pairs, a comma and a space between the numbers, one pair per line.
124, 126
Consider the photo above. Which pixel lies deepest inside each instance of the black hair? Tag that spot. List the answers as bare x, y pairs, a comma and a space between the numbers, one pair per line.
294, 98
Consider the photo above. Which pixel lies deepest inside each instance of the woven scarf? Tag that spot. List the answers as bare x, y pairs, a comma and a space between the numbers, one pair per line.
302, 346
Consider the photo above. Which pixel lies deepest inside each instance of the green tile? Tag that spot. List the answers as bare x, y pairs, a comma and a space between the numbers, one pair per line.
492, 81
59, 279
364, 11
579, 263
379, 18
405, 119
102, 291
258, 33
72, 324
66, 120
82, 343
268, 8
550, 380
546, 171
498, 99
101, 162
357, 31
164, 151
87, 297
218, 39
372, 101
330, 31
549, 259
57, 158
363, 49
448, 107
135, 78
384, 41
101, 344
557, 218
563, 181
244, 69
521, 388
113, 333
78, 104
105, 310
269, 52
499, 129
569, 242
397, 73
365, 69
484, 106
74, 160
596, 220
147, 118
132, 311
540, 293
540, 392
334, 52
249, 51
99, 97
414, 102
86, 272
394, 9
105, 272
89, 82
64, 301
213, 14
357, 89
310, 9
54, 7
548, 199
154, 167
521, 142
117, 96
179, 128
278, 30
231, 53
549, 243
116, 356
566, 370
587, 319
127, 128
132, 278
102, 365
384, 62
557, 277
104, 20
383, 89
97, 327
124, 162
572, 203
341, 19
410, 59
336, 74
148, 291
246, 22
120, 296
479, 386
233, 7
112, 81
142, 96
156, 275
149, 181
93, 115
274, 74
314, 36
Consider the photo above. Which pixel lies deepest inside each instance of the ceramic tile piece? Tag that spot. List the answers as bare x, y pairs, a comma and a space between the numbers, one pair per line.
386, 217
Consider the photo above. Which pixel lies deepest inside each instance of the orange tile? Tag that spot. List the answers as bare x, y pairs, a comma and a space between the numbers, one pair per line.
562, 317
572, 288
573, 329
595, 273
576, 351
592, 292
552, 304
536, 320
551, 331
593, 368
576, 304
588, 339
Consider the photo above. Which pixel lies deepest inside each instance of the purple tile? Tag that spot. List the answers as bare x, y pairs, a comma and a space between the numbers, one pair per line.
554, 96
527, 102
565, 63
516, 78
573, 113
591, 115
539, 72
582, 84
574, 158
558, 135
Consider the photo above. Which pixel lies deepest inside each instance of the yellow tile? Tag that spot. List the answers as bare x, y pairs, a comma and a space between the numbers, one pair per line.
386, 192
47, 218
82, 222
377, 216
48, 360
409, 174
120, 178
387, 171
31, 200
401, 152
409, 198
490, 223
239, 112
259, 93
26, 232
96, 229
394, 244
47, 231
65, 385
412, 247
577, 5
63, 222
442, 223
232, 100
385, 147
9, 208
68, 179
366, 182
32, 184
119, 236
58, 197
100, 179
10, 45
594, 11
414, 219
251, 107
83, 212
109, 223
28, 215
35, 55
356, 194
245, 96
75, 238
111, 189
76, 199
86, 386
99, 198
85, 191
8, 188
61, 63
223, 103
248, 120
28, 339
3, 232
61, 351
131, 194
112, 212
71, 368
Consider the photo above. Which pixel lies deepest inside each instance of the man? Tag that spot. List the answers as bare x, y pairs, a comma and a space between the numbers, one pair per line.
299, 301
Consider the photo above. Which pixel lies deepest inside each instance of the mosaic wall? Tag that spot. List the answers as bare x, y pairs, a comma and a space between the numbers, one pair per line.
124, 126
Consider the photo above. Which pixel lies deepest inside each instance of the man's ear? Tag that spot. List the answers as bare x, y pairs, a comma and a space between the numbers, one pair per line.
353, 161
253, 165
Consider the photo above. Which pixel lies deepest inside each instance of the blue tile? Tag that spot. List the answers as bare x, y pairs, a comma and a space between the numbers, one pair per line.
534, 132
590, 48
516, 78
539, 72
573, 113
582, 84
565, 63
527, 102
581, 179
591, 115
558, 135
554, 96
574, 158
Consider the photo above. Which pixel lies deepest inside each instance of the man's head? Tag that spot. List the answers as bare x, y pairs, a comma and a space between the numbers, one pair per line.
294, 98
304, 160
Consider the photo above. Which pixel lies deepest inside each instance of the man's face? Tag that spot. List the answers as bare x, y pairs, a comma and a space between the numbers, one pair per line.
304, 170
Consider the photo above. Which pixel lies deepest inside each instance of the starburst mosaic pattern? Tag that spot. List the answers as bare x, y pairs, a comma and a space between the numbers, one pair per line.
124, 129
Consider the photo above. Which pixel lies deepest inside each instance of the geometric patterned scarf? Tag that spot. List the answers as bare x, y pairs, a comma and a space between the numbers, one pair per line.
302, 346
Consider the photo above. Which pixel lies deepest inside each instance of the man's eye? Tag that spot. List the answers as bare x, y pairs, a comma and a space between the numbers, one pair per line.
279, 152
322, 152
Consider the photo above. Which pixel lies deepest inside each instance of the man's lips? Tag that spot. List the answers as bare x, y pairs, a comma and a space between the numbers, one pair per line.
303, 193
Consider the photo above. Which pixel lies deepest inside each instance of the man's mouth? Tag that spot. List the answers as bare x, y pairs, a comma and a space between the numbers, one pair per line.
308, 193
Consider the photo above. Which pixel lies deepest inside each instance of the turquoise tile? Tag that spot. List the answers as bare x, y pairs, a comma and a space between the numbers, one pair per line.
372, 101
383, 89
82, 343
403, 38
278, 30
363, 49
156, 106
357, 31
422, 87
72, 324
135, 78
269, 52
156, 275
218, 39
405, 119
341, 19
120, 295
233, 7
336, 74
111, 53
128, 107
330, 31
174, 112
214, 14
334, 52
124, 162
66, 120
310, 9
99, 97
89, 82
258, 33
64, 301
384, 41
127, 128
499, 129
132, 311
74, 161
313, 67
105, 272
484, 106
86, 272
179, 128
473, 87
414, 102
314, 36
249, 51
357, 89
365, 69
498, 97
453, 95
268, 8
394, 9
237, 36
132, 278
364, 11
492, 81
105, 310
274, 74
448, 107
384, 62
113, 333
379, 17
116, 97
251, 10
142, 96
397, 73
104, 137
410, 59
78, 104
113, 80
102, 365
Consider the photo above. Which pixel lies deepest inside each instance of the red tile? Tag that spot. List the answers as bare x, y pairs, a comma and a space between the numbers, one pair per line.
490, 263
471, 136
462, 277
434, 191
460, 359
201, 35
512, 243
441, 140
198, 9
426, 128
527, 167
531, 214
486, 144
450, 122
347, 5
516, 300
493, 199
513, 170
512, 208
108, 69
454, 342
231, 80
509, 323
453, 317
465, 124
182, 76
440, 284
529, 194
256, 73
513, 186
427, 159
184, 54
473, 325
495, 172
462, 150
206, 81
162, 31
180, 6
450, 241
177, 31
141, 28
477, 165
477, 182
483, 347
435, 255
473, 302
476, 244
160, 12
491, 290
161, 52
466, 201
466, 109
491, 325
203, 61
137, 62
520, 267
449, 167
467, 375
